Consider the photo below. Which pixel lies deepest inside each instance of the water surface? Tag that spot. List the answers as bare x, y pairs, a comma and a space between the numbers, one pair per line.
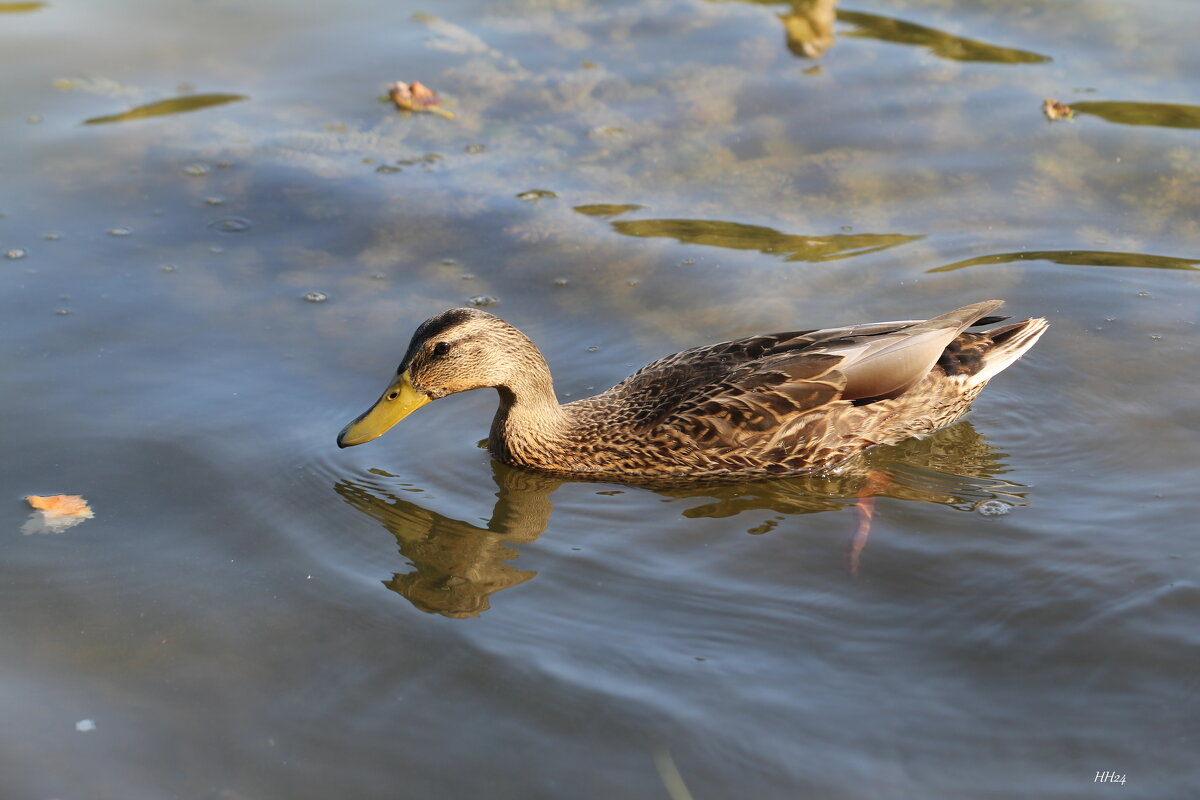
199, 292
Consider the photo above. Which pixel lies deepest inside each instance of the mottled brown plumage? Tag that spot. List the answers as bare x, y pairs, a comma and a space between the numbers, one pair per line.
768, 405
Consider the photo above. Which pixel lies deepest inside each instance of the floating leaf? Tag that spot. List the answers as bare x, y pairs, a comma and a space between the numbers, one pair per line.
809, 27
1056, 110
416, 96
61, 505
55, 513
176, 105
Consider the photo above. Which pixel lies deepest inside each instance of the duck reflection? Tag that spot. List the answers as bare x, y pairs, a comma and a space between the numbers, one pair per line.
458, 565
954, 467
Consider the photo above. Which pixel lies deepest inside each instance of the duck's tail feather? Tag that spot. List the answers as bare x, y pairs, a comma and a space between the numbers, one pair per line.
1008, 344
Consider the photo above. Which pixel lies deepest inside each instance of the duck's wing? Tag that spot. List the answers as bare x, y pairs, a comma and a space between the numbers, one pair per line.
659, 388
886, 359
729, 394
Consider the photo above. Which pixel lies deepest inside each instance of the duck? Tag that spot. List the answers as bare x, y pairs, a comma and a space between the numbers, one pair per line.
764, 406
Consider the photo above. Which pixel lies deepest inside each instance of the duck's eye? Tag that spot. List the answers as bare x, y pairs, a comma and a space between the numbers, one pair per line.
393, 395
441, 348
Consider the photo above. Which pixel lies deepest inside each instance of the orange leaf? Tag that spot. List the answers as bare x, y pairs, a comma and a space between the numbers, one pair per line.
61, 505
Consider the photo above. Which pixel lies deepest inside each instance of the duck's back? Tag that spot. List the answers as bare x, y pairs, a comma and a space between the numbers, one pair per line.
793, 401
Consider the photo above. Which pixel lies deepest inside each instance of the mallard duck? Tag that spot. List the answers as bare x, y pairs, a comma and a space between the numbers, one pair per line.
768, 405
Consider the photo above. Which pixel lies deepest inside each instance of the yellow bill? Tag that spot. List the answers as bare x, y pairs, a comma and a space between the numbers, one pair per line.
398, 401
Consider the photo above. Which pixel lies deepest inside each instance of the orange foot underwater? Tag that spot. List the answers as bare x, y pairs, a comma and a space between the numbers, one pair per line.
875, 483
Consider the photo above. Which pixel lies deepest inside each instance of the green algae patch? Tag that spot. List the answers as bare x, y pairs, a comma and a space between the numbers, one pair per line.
1079, 258
1163, 115
939, 43
607, 210
738, 236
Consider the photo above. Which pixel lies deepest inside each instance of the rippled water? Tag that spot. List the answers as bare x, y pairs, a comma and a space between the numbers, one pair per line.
218, 237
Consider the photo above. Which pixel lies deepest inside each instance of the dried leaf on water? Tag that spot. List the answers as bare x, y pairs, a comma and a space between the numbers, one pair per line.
1056, 110
61, 505
56, 513
416, 96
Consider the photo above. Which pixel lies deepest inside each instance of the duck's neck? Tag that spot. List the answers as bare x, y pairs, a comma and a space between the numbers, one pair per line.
530, 423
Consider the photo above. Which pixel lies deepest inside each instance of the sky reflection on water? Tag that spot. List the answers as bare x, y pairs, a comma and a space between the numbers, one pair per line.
253, 613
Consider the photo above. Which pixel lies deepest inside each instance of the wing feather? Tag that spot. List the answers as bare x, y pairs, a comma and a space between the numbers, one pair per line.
762, 391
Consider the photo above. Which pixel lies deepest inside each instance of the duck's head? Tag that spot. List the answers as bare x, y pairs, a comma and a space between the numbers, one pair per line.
454, 351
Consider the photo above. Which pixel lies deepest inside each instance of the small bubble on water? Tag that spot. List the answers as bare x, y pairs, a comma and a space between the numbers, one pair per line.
992, 508
316, 297
467, 276
561, 281
534, 195
15, 253
120, 232
51, 236
214, 200
1157, 337
847, 228
62, 312
688, 261
1143, 294
195, 170
482, 301
169, 268
605, 130
593, 349
85, 725
378, 276
224, 164
474, 149
231, 225
633, 281
449, 262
